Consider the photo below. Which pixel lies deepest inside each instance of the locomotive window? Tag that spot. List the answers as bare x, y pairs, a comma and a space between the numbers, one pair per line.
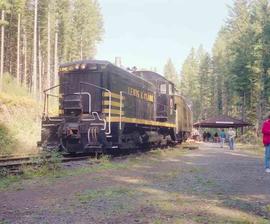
170, 89
163, 88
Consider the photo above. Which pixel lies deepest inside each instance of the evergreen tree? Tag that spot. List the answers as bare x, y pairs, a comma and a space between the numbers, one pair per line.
170, 73
65, 31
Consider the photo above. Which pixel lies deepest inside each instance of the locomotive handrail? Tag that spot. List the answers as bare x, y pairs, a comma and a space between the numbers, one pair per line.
89, 99
48, 107
110, 102
46, 103
120, 120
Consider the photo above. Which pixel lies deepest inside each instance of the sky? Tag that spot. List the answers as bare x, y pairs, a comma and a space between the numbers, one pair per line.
146, 33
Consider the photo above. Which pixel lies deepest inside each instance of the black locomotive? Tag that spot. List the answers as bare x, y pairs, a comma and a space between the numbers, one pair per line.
103, 108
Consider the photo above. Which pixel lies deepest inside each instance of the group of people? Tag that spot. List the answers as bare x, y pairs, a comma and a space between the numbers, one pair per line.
221, 137
230, 135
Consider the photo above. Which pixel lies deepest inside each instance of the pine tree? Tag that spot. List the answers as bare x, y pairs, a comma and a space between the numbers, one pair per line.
36, 39
170, 73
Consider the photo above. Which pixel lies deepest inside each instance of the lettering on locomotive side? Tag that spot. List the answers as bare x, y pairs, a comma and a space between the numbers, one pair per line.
147, 96
66, 69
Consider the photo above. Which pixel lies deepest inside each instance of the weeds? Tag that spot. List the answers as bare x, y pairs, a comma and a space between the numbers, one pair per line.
8, 180
3, 172
6, 140
50, 168
45, 166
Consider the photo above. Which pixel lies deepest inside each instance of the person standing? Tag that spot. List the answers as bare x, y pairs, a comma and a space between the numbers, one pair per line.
266, 142
204, 136
222, 136
231, 137
216, 139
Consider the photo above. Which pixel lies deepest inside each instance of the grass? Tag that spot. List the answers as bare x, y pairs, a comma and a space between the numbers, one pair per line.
45, 168
50, 170
5, 182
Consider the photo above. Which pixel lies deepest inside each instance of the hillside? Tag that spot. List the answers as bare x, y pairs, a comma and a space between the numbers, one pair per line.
19, 119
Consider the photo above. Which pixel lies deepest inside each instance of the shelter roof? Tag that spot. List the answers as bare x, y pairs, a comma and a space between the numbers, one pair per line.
221, 121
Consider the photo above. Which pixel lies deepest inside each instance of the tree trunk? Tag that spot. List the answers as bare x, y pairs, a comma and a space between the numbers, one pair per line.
48, 76
25, 59
56, 56
18, 49
34, 75
2, 50
40, 75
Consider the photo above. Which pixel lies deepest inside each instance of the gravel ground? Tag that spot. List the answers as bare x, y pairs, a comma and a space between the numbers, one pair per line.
207, 185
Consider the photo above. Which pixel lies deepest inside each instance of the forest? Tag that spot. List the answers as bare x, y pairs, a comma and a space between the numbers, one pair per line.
234, 78
37, 35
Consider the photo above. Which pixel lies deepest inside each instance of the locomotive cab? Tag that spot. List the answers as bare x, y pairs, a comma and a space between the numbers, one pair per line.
164, 93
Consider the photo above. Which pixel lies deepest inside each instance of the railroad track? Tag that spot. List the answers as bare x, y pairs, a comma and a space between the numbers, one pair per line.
13, 164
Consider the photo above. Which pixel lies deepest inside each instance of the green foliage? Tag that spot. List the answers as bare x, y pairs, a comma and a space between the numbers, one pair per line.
6, 140
19, 119
78, 25
236, 79
198, 82
170, 73
45, 166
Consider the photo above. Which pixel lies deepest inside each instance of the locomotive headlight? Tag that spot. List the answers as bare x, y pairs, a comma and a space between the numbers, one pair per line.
83, 66
77, 67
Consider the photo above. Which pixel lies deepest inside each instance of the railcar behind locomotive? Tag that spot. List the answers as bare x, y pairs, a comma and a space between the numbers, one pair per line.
103, 108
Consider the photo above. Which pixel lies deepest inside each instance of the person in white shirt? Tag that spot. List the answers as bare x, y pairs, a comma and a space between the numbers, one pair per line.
231, 137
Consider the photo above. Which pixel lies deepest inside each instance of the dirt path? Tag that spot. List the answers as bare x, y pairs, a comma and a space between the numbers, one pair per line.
208, 185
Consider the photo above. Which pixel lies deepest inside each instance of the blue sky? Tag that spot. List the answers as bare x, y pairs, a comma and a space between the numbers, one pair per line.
145, 33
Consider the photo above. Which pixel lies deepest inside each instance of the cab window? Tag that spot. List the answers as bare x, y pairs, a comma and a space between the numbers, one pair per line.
170, 89
162, 88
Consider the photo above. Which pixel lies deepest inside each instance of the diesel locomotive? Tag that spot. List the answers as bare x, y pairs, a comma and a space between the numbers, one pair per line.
104, 108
